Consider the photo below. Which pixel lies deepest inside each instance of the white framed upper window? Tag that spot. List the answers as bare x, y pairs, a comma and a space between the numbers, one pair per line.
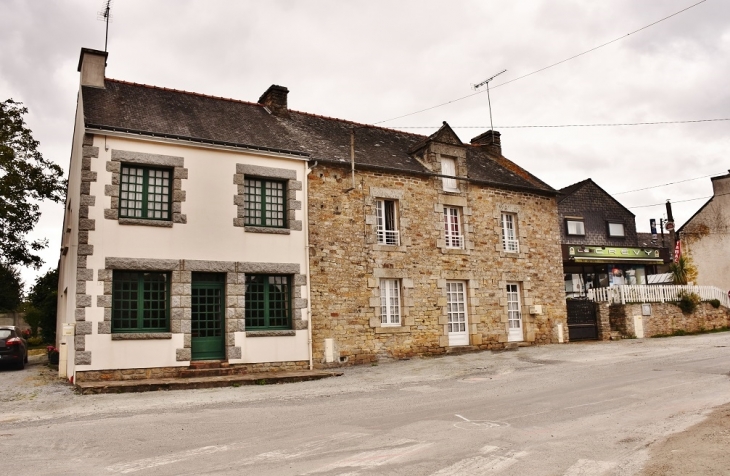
575, 227
390, 302
448, 167
452, 228
387, 222
509, 233
616, 230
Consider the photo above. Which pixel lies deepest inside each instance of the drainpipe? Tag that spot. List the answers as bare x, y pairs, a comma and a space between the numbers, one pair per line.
305, 206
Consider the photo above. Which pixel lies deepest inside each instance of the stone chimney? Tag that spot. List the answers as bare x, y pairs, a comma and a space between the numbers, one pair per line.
721, 185
275, 99
92, 66
491, 140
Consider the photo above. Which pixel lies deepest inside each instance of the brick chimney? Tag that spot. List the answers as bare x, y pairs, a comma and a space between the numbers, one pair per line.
491, 140
275, 99
92, 66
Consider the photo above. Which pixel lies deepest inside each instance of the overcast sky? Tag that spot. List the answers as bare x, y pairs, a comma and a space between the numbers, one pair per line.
373, 60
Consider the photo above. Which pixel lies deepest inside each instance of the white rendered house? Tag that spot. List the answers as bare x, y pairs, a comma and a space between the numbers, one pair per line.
184, 234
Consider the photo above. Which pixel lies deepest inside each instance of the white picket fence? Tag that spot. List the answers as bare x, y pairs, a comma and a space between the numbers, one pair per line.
660, 293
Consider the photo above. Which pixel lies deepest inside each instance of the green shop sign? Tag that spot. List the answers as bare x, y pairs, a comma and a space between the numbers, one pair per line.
611, 253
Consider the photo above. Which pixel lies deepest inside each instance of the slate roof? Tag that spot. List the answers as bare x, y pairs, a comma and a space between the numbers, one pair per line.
565, 192
155, 111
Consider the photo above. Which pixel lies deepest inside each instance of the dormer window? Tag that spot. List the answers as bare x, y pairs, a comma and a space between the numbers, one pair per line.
616, 230
575, 226
448, 167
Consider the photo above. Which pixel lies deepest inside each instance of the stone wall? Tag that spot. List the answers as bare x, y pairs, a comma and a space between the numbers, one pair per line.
347, 264
175, 372
667, 318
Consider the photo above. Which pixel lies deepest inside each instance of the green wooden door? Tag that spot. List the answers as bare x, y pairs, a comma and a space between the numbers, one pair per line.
208, 316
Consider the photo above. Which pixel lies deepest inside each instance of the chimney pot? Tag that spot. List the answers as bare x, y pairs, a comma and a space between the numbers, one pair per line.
275, 98
490, 139
92, 66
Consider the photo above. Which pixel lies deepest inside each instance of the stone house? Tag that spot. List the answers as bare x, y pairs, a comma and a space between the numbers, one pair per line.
184, 236
706, 237
425, 245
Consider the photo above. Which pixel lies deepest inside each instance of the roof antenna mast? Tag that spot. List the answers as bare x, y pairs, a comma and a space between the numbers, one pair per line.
105, 16
486, 83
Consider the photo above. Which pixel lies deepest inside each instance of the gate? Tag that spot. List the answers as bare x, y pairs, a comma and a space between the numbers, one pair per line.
582, 320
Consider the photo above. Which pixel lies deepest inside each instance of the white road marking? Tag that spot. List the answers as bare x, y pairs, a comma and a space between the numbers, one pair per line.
601, 401
587, 467
478, 465
148, 463
302, 450
477, 424
374, 458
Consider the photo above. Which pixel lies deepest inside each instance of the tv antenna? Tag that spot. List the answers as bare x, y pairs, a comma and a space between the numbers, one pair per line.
105, 16
486, 83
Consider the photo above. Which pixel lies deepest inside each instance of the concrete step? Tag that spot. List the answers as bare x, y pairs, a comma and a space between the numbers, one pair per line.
461, 349
211, 372
207, 364
616, 335
148, 385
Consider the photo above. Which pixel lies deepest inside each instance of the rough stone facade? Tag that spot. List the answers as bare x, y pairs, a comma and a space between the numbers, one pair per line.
84, 274
666, 318
347, 263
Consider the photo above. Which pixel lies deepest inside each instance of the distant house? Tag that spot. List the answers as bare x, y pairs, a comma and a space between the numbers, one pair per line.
600, 248
202, 228
706, 237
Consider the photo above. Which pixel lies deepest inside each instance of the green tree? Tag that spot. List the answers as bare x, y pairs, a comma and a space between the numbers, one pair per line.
26, 178
11, 288
43, 297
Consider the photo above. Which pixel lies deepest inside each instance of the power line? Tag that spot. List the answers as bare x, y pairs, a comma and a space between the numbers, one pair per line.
680, 201
612, 124
546, 67
665, 184
677, 201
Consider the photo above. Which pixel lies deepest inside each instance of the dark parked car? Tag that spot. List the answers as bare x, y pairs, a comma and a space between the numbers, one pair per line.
13, 348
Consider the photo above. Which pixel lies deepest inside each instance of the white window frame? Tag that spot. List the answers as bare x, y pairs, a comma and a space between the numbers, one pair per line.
510, 243
581, 232
390, 305
456, 305
614, 235
387, 230
514, 313
448, 167
452, 228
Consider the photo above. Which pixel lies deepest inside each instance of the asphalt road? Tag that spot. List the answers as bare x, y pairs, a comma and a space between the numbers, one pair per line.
577, 409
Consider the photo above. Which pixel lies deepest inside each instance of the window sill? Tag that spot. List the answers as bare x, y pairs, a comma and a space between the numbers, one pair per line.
271, 333
145, 222
383, 247
393, 330
454, 251
263, 229
141, 335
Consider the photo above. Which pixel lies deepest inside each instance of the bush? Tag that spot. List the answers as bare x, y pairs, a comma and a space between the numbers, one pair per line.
35, 341
688, 302
715, 303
